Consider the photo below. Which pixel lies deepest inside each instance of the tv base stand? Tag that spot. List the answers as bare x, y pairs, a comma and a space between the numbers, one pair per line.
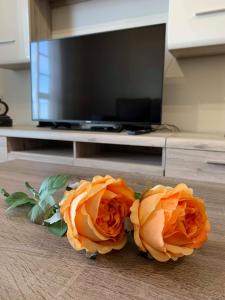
83, 127
130, 129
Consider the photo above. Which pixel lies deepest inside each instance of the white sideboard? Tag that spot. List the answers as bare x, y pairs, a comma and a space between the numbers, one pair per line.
117, 151
180, 155
196, 156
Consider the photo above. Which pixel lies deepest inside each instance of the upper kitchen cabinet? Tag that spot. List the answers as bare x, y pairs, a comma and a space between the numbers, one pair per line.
21, 21
196, 28
14, 33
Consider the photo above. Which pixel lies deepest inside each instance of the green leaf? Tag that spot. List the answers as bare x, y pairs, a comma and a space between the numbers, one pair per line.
4, 193
59, 228
32, 191
49, 186
54, 218
137, 195
46, 202
44, 208
18, 199
52, 184
38, 213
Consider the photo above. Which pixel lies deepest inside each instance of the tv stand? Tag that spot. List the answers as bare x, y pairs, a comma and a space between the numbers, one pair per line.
194, 156
104, 150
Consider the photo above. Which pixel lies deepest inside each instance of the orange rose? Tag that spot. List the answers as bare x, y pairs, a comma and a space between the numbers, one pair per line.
95, 214
169, 222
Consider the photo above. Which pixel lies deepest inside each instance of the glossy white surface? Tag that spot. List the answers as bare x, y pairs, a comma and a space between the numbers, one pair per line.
196, 23
14, 32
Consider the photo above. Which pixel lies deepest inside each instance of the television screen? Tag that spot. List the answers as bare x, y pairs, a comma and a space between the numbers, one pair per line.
105, 77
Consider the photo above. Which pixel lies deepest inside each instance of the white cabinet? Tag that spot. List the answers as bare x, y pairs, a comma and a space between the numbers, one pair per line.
14, 32
3, 149
196, 27
200, 165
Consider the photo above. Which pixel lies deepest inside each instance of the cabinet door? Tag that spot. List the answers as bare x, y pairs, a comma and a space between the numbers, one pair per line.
3, 149
14, 32
206, 166
196, 23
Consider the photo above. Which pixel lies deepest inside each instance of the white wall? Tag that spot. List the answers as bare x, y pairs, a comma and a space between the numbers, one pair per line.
194, 92
102, 15
16, 92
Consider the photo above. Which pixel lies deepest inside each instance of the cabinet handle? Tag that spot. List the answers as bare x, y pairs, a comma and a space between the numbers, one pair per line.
209, 12
214, 162
7, 42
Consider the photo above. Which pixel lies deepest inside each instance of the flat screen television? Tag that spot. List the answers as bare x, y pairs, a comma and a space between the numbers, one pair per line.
110, 77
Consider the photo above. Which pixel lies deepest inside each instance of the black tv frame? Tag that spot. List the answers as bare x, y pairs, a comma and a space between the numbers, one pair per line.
99, 125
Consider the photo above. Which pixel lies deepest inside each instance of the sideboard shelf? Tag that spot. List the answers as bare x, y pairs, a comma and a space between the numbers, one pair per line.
60, 156
131, 158
40, 150
113, 151
180, 155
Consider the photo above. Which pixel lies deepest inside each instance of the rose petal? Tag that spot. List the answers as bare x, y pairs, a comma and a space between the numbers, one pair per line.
92, 205
122, 190
179, 250
100, 179
202, 237
183, 190
108, 195
177, 238
95, 189
169, 204
82, 243
74, 205
134, 212
151, 231
137, 238
158, 255
101, 247
74, 241
158, 189
69, 196
147, 206
171, 218
85, 226
135, 220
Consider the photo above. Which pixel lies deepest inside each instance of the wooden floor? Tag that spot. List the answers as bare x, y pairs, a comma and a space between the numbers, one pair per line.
37, 265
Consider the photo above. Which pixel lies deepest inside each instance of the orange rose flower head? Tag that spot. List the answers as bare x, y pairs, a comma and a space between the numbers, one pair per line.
95, 214
169, 222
